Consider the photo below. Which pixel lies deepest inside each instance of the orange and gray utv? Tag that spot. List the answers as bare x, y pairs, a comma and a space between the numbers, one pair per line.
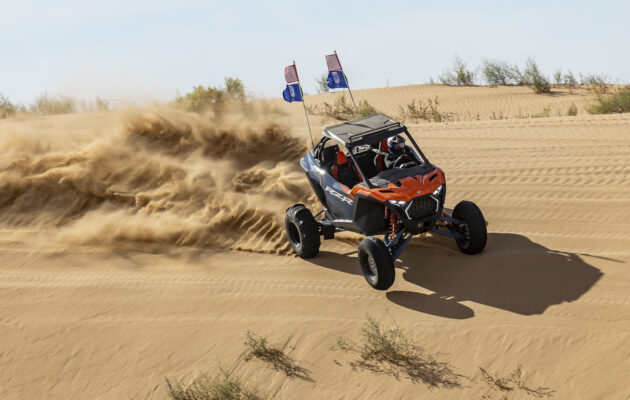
363, 193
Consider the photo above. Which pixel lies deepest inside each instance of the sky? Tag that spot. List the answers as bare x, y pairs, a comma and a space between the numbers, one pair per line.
154, 50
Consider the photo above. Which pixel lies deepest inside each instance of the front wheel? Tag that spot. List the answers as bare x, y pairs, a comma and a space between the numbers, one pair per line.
302, 231
376, 263
473, 228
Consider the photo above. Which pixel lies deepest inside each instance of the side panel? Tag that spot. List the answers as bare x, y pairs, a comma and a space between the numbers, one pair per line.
335, 198
369, 216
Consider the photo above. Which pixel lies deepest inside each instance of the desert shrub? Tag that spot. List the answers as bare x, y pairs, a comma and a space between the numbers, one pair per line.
260, 348
557, 77
101, 104
202, 98
97, 105
223, 386
569, 80
545, 113
427, 111
6, 107
573, 110
618, 102
596, 83
322, 84
534, 78
340, 109
366, 108
458, 74
500, 73
511, 383
49, 105
389, 351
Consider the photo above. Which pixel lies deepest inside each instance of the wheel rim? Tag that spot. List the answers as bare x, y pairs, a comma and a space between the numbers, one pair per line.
294, 235
463, 229
371, 267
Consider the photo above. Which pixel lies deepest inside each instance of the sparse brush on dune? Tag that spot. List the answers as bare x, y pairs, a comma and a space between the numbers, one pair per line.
458, 74
596, 83
510, 384
212, 98
260, 348
222, 386
428, 111
6, 107
340, 109
501, 73
388, 350
618, 102
46, 104
534, 78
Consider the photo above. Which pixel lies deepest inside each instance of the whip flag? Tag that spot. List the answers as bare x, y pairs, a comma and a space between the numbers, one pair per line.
337, 79
293, 92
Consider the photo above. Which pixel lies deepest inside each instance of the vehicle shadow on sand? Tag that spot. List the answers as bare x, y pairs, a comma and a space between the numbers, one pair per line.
512, 273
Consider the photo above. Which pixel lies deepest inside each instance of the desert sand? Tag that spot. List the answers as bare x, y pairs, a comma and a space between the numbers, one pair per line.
143, 244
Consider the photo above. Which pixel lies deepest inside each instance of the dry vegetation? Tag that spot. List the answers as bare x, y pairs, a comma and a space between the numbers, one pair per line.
342, 110
389, 351
260, 348
427, 111
510, 384
223, 386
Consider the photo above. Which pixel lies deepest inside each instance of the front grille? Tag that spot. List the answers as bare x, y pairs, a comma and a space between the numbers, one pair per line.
421, 207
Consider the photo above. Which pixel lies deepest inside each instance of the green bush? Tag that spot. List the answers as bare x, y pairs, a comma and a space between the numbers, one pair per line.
501, 73
573, 110
458, 75
618, 102
50, 105
596, 83
202, 98
322, 84
534, 78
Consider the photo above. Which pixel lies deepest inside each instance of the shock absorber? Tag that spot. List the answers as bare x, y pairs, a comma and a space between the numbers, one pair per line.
392, 230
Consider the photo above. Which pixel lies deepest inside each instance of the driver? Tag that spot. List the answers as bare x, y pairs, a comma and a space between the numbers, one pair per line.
399, 153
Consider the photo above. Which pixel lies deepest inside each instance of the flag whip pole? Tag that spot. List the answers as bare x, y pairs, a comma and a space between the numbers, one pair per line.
348, 85
304, 104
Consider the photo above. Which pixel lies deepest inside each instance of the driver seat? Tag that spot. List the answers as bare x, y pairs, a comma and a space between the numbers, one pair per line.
379, 159
344, 172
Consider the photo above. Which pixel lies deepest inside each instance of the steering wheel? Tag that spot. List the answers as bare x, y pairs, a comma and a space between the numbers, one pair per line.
407, 164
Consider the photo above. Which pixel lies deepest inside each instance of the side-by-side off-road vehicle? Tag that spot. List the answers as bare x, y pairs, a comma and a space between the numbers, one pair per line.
361, 194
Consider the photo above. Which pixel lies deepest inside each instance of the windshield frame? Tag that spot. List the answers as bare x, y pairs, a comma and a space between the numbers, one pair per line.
423, 159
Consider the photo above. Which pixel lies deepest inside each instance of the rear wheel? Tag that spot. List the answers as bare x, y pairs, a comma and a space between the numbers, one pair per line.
376, 263
302, 231
473, 227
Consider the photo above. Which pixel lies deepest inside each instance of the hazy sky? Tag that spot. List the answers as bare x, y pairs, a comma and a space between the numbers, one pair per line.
154, 49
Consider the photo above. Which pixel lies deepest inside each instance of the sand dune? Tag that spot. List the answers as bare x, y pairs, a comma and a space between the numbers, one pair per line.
140, 245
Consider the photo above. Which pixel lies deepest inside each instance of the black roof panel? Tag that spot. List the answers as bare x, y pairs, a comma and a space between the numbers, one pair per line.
364, 130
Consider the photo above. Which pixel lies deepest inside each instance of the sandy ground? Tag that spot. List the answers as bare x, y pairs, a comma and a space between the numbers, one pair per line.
88, 314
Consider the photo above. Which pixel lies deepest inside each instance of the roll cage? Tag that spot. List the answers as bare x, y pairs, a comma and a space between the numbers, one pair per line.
366, 133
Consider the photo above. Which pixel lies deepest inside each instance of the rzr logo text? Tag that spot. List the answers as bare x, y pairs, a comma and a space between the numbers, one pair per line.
339, 195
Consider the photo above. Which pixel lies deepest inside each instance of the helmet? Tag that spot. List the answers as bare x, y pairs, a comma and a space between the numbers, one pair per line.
396, 144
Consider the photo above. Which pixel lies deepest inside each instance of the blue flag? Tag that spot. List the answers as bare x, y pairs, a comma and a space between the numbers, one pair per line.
292, 93
336, 80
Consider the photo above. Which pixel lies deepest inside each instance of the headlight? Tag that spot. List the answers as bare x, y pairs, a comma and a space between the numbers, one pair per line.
397, 203
438, 190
